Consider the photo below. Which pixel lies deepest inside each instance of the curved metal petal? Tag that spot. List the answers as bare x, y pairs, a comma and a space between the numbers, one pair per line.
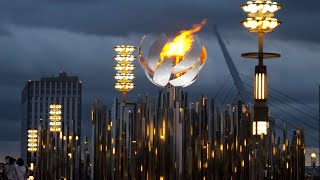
163, 73
187, 77
190, 59
154, 52
192, 81
140, 56
150, 79
203, 57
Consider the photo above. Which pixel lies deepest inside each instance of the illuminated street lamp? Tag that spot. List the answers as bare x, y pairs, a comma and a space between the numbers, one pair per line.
32, 140
55, 118
124, 68
313, 159
260, 20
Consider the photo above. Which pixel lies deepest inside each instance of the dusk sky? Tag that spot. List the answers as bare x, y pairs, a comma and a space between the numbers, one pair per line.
41, 37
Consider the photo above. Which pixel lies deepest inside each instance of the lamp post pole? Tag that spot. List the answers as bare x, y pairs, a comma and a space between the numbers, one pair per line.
55, 128
124, 84
261, 20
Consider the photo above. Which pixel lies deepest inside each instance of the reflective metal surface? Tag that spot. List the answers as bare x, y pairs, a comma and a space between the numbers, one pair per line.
167, 72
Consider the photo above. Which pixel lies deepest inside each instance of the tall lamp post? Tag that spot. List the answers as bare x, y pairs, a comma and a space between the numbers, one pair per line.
313, 162
260, 20
124, 68
55, 127
32, 148
313, 159
124, 84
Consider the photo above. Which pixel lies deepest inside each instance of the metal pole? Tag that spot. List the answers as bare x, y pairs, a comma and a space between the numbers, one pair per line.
124, 95
319, 128
260, 39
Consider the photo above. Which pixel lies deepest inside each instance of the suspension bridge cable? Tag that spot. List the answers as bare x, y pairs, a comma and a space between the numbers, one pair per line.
228, 93
225, 82
316, 140
236, 98
295, 108
287, 96
311, 126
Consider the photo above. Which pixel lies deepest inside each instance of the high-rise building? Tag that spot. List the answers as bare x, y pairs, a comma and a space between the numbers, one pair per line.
36, 99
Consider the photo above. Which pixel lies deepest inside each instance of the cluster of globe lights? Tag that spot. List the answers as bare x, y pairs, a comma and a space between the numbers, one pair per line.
164, 71
121, 58
32, 140
55, 117
124, 49
124, 68
124, 76
261, 16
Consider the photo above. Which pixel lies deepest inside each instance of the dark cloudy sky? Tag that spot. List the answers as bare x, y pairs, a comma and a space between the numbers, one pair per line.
41, 37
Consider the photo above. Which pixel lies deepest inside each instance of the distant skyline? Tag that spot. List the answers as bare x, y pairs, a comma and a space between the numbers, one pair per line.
43, 37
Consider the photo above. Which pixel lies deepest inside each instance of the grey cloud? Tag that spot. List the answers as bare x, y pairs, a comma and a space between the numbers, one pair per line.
125, 17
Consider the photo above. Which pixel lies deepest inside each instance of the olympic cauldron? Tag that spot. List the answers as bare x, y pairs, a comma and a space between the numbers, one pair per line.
175, 61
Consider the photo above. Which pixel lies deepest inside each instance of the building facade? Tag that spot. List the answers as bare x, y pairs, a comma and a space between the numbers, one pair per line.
36, 98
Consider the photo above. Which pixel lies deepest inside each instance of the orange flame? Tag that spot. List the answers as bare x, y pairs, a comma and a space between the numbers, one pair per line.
181, 44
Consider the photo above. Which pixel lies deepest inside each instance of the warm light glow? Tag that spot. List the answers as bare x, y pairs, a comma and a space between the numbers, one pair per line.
124, 68
261, 16
31, 166
163, 130
55, 117
179, 61
261, 24
124, 58
124, 86
32, 140
181, 44
124, 77
260, 86
313, 155
261, 7
260, 128
122, 49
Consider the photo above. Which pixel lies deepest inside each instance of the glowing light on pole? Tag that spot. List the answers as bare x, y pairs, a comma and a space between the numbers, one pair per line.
313, 159
260, 20
124, 68
32, 140
55, 118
